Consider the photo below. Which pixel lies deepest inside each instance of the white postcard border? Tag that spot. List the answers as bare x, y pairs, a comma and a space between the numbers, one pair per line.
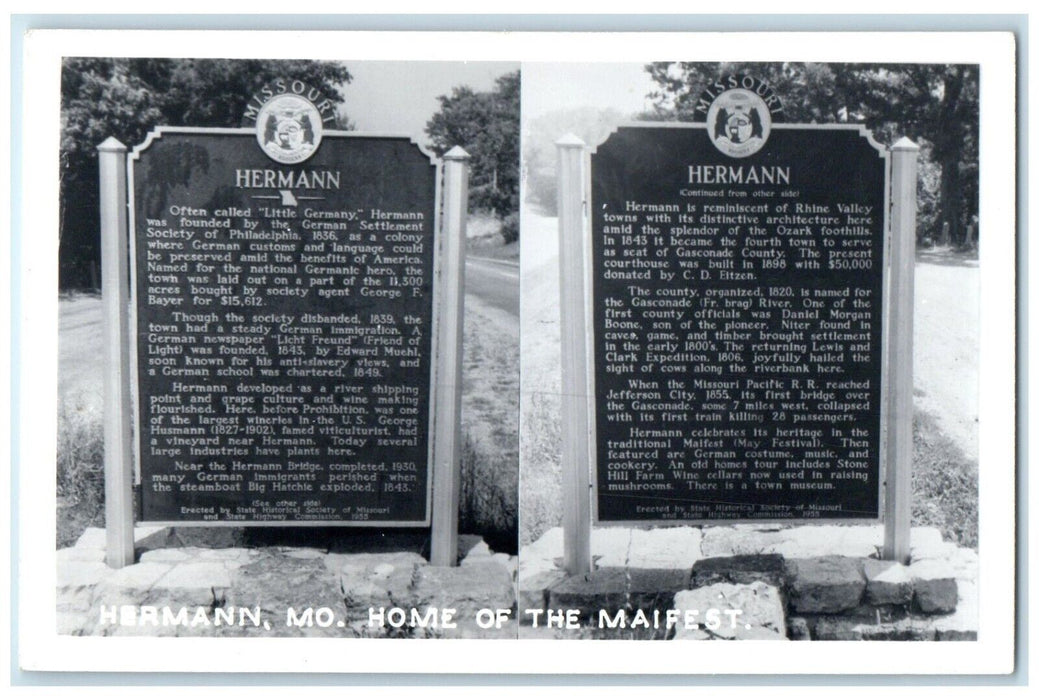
41, 649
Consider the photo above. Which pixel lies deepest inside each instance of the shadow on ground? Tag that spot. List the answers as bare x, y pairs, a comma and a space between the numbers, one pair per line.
950, 257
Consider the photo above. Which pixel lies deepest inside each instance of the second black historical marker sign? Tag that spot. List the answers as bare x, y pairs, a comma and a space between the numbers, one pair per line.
737, 289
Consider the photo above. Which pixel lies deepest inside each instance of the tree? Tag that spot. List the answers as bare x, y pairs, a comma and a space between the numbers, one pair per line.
126, 98
589, 124
935, 105
486, 125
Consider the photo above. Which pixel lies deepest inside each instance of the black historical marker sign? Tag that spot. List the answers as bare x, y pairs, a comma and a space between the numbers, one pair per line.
737, 293
283, 291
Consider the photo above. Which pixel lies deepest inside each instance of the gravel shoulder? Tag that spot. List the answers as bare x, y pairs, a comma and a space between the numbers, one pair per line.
946, 345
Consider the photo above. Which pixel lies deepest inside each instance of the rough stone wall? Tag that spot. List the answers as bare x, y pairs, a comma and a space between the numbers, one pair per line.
195, 591
813, 582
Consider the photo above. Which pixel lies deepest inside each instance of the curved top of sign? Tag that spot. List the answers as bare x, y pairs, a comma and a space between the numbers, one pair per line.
158, 132
862, 130
739, 113
289, 119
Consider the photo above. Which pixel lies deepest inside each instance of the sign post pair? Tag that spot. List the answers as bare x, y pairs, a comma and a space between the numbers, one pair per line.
283, 308
736, 299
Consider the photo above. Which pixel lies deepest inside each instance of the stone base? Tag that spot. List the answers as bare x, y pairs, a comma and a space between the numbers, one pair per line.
742, 568
825, 584
823, 594
612, 589
760, 608
283, 592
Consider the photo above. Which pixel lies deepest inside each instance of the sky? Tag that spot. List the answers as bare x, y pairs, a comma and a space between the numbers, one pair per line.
549, 87
399, 97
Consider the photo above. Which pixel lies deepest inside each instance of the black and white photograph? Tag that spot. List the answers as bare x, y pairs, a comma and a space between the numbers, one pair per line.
556, 354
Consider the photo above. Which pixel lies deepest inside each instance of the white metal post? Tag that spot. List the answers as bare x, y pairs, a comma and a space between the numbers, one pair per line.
115, 290
447, 431
899, 462
574, 334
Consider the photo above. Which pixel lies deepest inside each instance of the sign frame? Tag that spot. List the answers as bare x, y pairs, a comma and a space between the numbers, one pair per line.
434, 354
883, 470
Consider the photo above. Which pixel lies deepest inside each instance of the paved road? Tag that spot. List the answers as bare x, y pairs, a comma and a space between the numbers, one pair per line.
81, 349
496, 282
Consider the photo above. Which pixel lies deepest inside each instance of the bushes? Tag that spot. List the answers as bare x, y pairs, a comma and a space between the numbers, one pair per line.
541, 485
945, 484
80, 472
487, 503
510, 229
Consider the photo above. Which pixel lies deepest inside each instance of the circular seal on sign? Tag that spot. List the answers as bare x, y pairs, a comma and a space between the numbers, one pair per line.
288, 128
739, 122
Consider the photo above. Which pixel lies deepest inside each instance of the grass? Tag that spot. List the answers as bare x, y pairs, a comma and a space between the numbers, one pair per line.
541, 485
80, 472
945, 484
487, 503
489, 423
484, 233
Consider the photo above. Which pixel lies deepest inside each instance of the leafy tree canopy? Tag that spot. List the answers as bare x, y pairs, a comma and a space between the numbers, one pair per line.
127, 97
936, 105
589, 124
486, 125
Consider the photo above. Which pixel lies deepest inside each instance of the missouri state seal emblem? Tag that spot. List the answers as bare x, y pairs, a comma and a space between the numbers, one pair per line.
739, 123
739, 111
288, 128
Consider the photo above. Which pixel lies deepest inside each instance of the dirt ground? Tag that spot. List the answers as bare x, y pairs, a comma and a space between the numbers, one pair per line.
946, 344
490, 376
81, 352
539, 309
